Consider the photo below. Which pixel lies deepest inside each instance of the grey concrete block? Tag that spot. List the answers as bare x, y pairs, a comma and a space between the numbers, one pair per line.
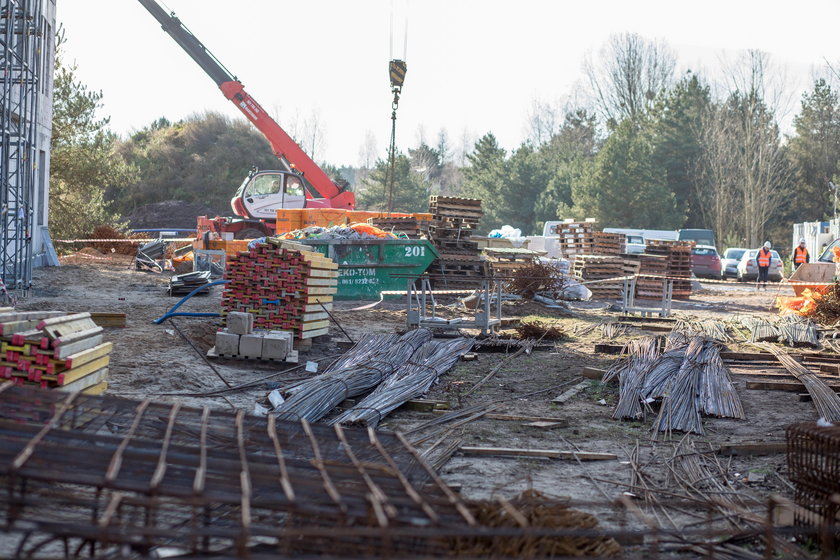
227, 343
250, 346
276, 345
240, 323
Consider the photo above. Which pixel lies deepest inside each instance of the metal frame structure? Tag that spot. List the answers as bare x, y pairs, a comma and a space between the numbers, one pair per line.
422, 307
21, 43
628, 298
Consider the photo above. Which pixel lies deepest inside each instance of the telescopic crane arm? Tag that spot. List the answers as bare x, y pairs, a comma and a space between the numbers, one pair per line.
282, 144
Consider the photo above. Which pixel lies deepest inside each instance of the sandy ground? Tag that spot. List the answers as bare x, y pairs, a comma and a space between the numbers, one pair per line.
156, 361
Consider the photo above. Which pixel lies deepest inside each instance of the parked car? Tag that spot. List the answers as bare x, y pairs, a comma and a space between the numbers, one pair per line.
729, 262
748, 270
705, 261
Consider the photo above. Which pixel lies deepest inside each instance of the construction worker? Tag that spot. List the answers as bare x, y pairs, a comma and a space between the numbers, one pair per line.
800, 255
763, 259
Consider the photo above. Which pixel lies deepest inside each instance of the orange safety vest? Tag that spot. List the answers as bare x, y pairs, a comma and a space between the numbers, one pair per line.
800, 255
764, 257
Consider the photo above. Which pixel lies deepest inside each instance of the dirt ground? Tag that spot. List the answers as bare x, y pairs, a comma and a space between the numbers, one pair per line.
156, 361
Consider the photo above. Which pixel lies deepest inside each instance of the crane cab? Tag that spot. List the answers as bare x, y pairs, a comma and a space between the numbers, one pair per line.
262, 193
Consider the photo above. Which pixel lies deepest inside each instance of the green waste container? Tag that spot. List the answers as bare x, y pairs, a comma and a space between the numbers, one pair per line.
367, 267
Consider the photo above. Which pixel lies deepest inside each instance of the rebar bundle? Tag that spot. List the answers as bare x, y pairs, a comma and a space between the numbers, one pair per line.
371, 361
689, 377
718, 396
825, 399
679, 410
798, 331
761, 330
411, 380
641, 354
707, 328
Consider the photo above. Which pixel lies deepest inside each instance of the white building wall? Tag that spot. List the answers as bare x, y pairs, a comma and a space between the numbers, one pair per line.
41, 197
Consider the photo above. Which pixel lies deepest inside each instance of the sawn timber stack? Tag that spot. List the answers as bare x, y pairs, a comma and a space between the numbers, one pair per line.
284, 289
52, 349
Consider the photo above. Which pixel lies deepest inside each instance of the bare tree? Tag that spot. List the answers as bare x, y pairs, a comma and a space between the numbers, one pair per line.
543, 122
629, 74
747, 175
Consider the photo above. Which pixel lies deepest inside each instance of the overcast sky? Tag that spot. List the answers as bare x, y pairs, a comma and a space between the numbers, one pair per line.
473, 65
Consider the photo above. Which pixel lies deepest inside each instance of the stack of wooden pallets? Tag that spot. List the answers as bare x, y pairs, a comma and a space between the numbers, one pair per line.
607, 243
678, 254
285, 289
649, 265
453, 222
506, 261
411, 226
589, 268
575, 238
52, 349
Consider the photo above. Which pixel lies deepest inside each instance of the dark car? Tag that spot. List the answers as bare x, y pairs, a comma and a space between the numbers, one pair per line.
705, 261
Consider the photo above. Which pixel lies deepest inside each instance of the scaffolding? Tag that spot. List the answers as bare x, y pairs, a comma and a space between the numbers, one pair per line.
21, 68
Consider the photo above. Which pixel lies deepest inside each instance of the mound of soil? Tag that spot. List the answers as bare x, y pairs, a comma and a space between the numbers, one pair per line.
172, 214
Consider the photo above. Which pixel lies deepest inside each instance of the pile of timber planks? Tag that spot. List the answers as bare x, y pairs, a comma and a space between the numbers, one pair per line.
608, 243
679, 266
506, 261
575, 238
283, 288
453, 222
52, 349
588, 268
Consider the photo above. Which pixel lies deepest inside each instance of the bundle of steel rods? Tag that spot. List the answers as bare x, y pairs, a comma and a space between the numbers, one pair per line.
708, 328
372, 361
641, 354
409, 381
718, 396
666, 366
798, 331
761, 330
679, 410
689, 378
825, 399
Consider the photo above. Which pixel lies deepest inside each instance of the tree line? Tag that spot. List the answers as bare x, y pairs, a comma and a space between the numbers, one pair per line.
650, 149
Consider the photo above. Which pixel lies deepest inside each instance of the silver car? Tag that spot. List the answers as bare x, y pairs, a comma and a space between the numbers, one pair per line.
748, 269
729, 262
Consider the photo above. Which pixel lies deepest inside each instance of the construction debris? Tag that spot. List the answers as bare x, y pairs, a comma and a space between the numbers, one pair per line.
529, 329
454, 220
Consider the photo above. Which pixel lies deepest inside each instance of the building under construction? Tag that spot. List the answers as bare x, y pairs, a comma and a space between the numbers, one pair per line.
27, 51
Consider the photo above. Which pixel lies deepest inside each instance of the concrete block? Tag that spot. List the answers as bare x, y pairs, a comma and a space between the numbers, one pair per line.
240, 323
250, 346
227, 343
276, 345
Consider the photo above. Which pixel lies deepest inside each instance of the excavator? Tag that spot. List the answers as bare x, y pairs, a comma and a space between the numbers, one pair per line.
300, 184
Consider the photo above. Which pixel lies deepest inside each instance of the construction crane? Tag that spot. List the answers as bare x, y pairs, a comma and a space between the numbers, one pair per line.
302, 183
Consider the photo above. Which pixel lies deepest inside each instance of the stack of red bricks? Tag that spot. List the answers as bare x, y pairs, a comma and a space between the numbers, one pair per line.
283, 288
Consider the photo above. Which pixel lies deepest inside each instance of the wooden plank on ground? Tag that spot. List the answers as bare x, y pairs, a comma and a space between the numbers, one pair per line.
753, 448
608, 348
105, 319
570, 393
549, 453
593, 373
789, 386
